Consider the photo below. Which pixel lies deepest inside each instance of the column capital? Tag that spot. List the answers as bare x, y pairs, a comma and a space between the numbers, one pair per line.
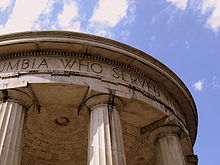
168, 147
15, 95
104, 99
165, 130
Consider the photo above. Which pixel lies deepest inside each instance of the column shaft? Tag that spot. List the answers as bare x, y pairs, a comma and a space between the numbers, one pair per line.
169, 151
12, 117
105, 137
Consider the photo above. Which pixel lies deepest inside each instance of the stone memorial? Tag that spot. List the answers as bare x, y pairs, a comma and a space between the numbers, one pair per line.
74, 99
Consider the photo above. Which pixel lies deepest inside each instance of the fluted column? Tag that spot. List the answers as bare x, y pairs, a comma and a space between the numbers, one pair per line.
169, 151
105, 135
11, 128
168, 148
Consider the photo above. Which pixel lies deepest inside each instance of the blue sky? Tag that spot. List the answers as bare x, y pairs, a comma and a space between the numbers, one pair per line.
182, 34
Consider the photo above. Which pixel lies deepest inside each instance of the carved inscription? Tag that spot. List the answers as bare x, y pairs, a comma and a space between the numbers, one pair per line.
49, 64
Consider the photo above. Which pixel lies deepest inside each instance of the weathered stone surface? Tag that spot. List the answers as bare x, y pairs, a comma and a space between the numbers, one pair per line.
12, 116
67, 66
105, 137
55, 136
61, 70
169, 151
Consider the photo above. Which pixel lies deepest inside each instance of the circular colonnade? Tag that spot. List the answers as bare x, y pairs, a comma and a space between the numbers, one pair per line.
71, 98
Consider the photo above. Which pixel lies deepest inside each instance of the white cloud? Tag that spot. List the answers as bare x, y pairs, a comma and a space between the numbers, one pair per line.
205, 7
181, 4
187, 44
100, 30
125, 34
103, 32
109, 12
215, 83
130, 16
24, 14
153, 38
212, 6
198, 85
4, 4
154, 19
66, 18
45, 21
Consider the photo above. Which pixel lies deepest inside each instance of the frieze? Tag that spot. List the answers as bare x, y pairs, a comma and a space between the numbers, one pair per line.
64, 65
